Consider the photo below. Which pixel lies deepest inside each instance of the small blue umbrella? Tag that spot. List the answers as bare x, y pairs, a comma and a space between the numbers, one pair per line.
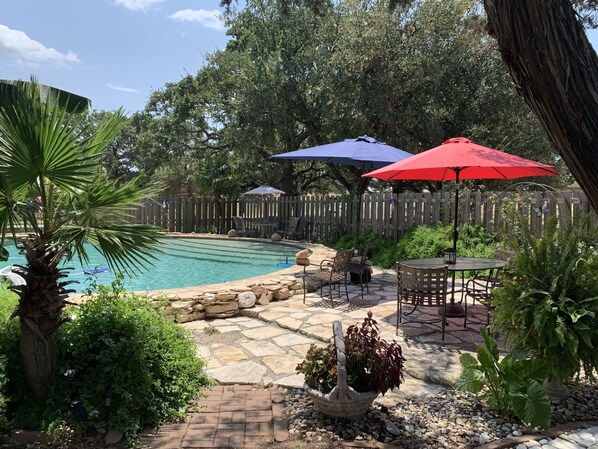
364, 152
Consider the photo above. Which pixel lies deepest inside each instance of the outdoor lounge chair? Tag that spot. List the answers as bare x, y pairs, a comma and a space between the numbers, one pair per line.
333, 272
295, 230
422, 288
242, 231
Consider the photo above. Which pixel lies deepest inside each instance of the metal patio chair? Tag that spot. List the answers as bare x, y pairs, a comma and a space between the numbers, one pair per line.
334, 272
422, 288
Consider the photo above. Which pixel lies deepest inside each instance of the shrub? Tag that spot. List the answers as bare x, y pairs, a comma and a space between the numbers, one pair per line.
512, 385
549, 307
422, 242
116, 344
431, 241
373, 364
9, 356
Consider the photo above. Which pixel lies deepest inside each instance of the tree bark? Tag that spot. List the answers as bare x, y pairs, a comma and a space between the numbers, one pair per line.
555, 69
39, 359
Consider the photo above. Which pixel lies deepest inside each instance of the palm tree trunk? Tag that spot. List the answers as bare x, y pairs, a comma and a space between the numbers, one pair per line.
39, 358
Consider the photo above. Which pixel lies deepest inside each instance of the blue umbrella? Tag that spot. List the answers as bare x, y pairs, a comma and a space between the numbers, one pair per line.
364, 152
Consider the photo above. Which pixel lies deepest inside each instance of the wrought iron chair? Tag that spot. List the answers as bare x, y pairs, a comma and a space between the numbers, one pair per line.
480, 288
333, 272
421, 287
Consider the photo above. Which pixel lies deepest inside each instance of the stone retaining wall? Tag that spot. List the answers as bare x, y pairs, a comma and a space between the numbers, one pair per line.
227, 302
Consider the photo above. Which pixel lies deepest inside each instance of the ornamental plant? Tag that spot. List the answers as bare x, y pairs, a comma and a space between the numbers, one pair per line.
548, 305
512, 385
373, 364
117, 346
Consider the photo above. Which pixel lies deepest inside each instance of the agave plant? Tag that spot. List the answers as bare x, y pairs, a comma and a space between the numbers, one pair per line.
51, 183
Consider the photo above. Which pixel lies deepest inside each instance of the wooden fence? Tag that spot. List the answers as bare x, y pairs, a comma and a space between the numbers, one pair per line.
384, 214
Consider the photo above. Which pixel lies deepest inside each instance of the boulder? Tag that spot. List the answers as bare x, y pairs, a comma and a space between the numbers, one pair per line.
246, 300
281, 294
232, 233
258, 290
303, 254
276, 237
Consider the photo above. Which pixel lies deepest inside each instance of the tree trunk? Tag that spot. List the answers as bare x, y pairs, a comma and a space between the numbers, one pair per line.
555, 69
39, 359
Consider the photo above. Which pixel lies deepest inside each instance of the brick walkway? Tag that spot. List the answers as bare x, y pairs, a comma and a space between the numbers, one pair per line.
230, 416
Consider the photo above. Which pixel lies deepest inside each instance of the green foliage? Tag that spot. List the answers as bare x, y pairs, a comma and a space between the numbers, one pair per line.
9, 356
549, 306
421, 242
118, 342
431, 241
512, 385
373, 364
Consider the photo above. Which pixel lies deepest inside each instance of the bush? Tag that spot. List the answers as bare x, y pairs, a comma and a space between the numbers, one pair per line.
549, 307
117, 345
9, 356
422, 242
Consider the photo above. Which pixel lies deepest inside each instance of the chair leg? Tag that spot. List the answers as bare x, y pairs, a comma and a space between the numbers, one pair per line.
399, 314
346, 289
465, 316
444, 319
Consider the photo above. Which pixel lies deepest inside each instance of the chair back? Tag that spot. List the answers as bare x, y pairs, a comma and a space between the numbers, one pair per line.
300, 228
341, 260
239, 224
424, 287
293, 222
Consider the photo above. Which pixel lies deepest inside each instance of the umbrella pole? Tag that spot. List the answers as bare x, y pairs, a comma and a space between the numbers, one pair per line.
456, 221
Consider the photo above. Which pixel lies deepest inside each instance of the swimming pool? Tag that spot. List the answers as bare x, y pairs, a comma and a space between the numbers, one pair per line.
187, 262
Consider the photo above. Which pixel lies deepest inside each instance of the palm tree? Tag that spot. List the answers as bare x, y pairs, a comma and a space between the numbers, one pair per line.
51, 183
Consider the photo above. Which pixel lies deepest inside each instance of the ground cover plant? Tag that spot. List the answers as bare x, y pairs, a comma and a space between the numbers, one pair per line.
423, 241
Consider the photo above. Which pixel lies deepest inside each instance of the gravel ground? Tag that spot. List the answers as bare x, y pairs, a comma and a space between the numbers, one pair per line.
450, 419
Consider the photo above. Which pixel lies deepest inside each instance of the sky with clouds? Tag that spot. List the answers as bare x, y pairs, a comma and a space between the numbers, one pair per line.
115, 52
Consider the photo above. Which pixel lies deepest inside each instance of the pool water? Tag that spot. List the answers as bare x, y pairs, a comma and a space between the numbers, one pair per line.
187, 262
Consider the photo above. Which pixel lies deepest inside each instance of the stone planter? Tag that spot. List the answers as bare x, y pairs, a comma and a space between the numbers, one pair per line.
343, 401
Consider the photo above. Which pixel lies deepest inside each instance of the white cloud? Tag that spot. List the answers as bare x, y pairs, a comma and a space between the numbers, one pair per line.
21, 50
209, 19
137, 5
122, 88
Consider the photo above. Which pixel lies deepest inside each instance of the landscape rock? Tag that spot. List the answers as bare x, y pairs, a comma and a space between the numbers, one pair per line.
281, 294
246, 300
275, 237
229, 308
232, 233
265, 299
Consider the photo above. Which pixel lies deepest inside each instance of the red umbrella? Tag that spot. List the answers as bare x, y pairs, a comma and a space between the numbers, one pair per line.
460, 158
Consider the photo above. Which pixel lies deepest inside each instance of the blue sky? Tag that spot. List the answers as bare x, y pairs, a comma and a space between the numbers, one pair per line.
115, 52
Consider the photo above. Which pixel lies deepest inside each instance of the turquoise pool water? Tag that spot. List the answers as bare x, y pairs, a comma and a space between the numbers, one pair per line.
187, 262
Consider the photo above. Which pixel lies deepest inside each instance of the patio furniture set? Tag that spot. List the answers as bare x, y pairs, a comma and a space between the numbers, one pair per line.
421, 284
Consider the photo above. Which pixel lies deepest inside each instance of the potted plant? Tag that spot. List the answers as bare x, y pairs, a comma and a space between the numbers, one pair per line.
345, 377
548, 306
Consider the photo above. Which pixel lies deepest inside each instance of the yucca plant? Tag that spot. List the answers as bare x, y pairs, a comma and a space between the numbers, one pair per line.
51, 183
549, 306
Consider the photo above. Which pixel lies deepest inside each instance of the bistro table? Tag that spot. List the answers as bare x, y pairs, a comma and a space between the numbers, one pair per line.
462, 264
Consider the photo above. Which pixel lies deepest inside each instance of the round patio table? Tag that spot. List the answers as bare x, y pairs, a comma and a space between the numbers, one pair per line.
462, 264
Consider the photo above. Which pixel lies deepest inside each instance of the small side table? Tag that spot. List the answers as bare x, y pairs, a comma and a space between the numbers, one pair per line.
362, 270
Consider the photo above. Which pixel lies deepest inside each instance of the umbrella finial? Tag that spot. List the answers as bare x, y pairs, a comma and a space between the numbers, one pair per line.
457, 140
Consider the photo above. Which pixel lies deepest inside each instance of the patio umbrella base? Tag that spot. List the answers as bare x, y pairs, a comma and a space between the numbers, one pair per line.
453, 310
